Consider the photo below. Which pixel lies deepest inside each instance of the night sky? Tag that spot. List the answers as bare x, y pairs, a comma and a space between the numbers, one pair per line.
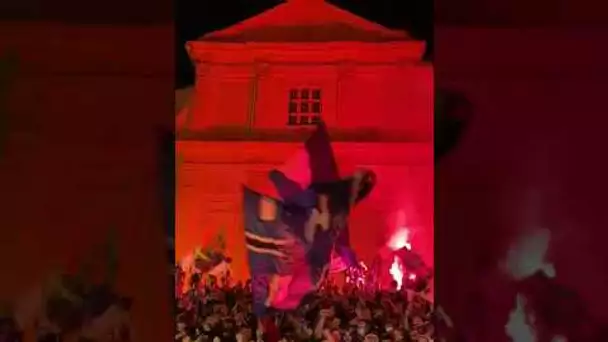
196, 17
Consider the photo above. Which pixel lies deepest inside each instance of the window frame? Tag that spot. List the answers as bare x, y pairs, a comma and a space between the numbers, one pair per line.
305, 106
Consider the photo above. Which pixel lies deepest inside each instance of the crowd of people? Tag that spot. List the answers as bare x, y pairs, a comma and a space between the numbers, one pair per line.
211, 310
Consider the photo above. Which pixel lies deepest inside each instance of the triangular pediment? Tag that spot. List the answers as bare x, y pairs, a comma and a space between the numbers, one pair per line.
306, 21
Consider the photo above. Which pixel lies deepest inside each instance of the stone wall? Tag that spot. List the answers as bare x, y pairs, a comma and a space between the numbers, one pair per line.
211, 175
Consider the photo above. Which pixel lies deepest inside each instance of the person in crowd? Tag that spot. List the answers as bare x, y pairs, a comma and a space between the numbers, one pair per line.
213, 310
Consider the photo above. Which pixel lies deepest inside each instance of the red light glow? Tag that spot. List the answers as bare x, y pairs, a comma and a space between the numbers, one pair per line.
396, 272
400, 239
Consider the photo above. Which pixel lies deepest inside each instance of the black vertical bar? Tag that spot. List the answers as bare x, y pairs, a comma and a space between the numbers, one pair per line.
167, 168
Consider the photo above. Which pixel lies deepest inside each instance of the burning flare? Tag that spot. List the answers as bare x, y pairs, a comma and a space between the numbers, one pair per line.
400, 239
396, 272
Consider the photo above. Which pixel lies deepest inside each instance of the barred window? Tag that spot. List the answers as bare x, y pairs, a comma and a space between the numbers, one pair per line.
305, 107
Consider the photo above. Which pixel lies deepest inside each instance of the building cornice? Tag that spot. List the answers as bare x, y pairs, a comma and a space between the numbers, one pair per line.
193, 153
298, 135
202, 51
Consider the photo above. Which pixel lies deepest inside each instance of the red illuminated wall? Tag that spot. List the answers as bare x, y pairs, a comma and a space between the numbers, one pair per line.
82, 158
382, 87
377, 101
242, 91
533, 156
211, 176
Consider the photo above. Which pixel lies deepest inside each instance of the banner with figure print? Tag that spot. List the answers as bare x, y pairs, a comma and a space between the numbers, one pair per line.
311, 179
